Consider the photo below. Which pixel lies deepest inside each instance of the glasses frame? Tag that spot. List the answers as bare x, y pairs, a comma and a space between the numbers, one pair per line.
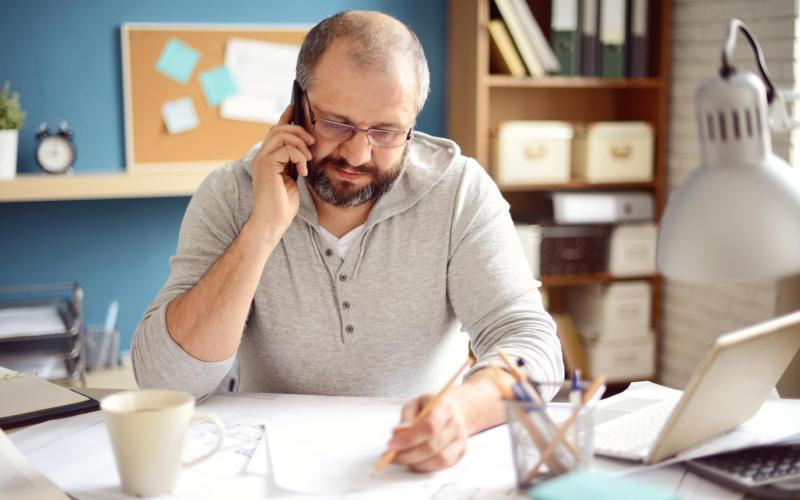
354, 129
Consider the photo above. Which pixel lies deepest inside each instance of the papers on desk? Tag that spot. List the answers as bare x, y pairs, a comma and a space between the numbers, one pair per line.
775, 423
75, 453
332, 445
19, 479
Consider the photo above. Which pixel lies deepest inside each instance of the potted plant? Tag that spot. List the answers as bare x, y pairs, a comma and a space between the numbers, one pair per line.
12, 118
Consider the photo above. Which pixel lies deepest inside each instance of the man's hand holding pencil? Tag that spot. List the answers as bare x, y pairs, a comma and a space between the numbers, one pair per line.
436, 441
432, 433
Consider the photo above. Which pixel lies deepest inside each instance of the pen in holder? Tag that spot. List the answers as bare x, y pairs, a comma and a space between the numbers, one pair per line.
551, 439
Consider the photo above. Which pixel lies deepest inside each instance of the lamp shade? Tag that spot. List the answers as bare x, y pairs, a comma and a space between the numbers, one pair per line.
737, 217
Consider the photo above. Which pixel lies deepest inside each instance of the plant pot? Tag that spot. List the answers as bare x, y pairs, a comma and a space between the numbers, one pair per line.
8, 153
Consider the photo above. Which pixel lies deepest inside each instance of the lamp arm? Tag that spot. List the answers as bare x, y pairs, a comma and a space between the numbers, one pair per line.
728, 69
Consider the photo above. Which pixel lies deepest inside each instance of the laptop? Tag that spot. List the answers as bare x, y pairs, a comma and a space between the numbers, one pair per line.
727, 388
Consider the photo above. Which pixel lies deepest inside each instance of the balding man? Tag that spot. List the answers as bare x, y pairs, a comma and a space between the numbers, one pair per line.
362, 277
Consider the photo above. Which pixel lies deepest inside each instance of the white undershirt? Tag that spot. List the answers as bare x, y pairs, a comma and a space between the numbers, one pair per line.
341, 245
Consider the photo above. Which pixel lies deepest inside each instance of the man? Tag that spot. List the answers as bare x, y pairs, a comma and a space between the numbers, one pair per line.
357, 278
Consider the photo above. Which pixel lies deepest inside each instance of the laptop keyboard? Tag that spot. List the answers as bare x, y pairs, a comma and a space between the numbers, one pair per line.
631, 435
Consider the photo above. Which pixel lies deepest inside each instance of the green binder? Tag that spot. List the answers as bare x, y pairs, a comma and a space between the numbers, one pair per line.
565, 35
613, 46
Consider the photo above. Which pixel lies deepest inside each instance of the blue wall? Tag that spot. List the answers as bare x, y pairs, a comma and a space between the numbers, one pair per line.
63, 59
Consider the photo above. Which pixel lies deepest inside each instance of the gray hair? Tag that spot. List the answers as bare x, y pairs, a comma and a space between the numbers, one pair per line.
377, 36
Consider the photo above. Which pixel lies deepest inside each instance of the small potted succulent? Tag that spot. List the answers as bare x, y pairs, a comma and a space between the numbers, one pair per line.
12, 118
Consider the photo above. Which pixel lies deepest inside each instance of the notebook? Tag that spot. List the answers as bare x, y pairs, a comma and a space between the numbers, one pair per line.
727, 388
27, 399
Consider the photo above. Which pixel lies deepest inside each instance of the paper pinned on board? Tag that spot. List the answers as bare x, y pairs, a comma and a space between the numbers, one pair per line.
179, 115
177, 60
263, 72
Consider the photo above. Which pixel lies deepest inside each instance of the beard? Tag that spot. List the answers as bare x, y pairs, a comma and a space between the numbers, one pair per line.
342, 193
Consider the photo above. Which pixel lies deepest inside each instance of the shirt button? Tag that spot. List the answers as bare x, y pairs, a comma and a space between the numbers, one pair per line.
342, 277
349, 328
329, 252
346, 304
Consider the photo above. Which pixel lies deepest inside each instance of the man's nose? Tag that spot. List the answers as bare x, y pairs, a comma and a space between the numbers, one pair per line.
357, 150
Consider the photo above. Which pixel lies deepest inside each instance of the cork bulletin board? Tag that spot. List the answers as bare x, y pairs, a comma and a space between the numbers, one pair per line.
214, 140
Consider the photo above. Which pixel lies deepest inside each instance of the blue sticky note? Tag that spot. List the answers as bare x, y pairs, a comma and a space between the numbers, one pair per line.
598, 486
179, 115
177, 60
217, 84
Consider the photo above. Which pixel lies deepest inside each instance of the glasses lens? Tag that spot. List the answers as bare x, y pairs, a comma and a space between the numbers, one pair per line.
387, 138
333, 130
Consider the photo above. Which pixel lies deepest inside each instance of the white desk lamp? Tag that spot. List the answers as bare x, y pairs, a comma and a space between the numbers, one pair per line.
737, 216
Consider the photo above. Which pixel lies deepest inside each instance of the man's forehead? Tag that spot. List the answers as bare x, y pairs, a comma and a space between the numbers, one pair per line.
340, 85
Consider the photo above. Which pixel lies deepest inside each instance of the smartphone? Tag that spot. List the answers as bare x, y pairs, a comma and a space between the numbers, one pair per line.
298, 118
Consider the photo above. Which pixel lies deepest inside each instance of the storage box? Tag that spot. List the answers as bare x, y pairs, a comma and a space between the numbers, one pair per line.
530, 237
632, 250
607, 207
571, 250
613, 151
611, 311
621, 359
531, 152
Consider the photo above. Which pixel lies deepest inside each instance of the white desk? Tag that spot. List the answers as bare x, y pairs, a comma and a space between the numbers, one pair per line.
76, 455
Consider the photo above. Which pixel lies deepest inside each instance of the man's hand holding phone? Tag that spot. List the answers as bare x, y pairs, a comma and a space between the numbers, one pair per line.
275, 195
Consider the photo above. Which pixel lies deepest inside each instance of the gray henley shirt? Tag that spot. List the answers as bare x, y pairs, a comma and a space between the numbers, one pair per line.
437, 267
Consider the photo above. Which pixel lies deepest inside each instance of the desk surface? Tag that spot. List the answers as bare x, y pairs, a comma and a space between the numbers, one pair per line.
44, 447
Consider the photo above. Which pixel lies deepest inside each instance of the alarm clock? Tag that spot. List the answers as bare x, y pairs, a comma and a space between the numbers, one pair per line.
55, 150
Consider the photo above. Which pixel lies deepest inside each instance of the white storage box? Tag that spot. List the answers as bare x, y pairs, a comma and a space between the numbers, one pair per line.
632, 250
613, 152
530, 236
612, 311
602, 207
531, 152
621, 359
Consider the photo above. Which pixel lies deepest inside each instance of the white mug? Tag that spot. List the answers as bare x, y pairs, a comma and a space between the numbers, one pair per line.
147, 430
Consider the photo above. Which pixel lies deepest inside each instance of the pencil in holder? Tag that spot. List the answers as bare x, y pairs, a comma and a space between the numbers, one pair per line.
548, 440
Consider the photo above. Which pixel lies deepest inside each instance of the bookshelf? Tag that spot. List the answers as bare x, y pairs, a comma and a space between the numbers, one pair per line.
479, 101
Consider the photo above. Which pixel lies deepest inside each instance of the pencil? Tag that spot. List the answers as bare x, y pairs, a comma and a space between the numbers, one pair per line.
497, 379
389, 455
520, 377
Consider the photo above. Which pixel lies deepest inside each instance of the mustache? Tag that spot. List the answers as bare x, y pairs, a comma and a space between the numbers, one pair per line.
343, 164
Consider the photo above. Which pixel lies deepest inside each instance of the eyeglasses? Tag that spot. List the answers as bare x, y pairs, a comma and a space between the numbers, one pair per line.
339, 131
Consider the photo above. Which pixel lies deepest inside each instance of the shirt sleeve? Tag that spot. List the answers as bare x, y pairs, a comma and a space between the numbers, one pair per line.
209, 226
491, 288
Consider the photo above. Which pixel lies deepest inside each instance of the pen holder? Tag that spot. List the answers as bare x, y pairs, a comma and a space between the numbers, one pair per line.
102, 348
548, 439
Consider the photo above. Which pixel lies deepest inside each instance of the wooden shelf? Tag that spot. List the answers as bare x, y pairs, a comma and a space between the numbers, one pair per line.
481, 101
577, 185
43, 187
588, 279
574, 82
